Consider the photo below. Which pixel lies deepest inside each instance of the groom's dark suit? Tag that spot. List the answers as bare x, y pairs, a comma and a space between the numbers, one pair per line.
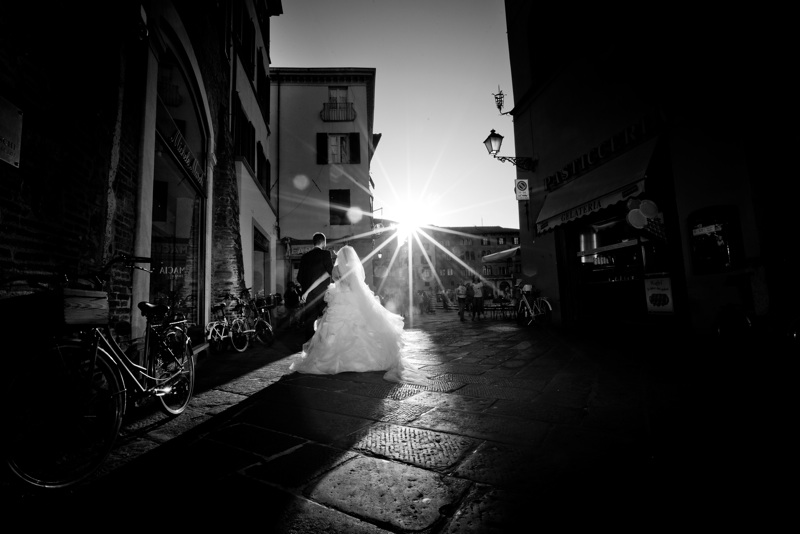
314, 264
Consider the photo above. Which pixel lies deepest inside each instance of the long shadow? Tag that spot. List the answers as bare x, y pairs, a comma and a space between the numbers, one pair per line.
215, 369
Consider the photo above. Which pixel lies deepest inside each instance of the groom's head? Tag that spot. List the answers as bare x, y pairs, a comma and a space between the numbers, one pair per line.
318, 239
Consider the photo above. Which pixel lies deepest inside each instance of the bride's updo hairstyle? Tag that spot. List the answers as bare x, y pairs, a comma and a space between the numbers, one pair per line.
351, 272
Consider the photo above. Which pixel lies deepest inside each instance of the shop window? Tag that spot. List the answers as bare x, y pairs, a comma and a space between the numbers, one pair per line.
716, 240
176, 237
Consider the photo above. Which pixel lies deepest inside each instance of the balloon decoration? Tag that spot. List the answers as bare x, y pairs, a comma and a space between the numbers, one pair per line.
644, 215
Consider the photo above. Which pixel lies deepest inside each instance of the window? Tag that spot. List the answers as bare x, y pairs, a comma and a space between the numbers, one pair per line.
337, 95
449, 272
487, 270
263, 170
262, 87
501, 240
339, 205
484, 241
244, 134
338, 148
515, 240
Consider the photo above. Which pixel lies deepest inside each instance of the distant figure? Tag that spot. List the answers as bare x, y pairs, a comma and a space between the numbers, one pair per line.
356, 333
470, 296
461, 296
477, 299
291, 299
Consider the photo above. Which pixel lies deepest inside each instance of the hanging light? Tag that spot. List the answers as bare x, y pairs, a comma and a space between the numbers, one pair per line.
493, 144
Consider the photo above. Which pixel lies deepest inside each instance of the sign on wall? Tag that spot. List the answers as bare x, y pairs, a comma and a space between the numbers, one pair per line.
521, 188
658, 292
10, 132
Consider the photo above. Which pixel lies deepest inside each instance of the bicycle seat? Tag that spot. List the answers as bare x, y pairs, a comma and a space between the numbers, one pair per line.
149, 309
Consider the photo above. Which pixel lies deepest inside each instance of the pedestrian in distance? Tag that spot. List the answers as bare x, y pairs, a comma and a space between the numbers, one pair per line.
470, 297
356, 333
477, 299
291, 299
316, 266
461, 296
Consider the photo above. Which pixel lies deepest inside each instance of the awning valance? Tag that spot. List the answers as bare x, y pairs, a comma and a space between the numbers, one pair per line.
615, 181
501, 256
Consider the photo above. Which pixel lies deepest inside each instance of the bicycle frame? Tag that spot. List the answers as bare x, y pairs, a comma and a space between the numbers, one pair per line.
134, 373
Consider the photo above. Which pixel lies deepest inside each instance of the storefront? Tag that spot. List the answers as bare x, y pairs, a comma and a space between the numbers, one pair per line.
613, 243
178, 195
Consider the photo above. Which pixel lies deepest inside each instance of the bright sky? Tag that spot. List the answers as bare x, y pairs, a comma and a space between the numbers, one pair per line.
437, 63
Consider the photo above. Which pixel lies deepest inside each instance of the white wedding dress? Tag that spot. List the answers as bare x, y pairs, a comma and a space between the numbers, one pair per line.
355, 332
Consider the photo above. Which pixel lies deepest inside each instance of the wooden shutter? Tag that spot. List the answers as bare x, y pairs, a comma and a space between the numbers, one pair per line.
322, 149
355, 148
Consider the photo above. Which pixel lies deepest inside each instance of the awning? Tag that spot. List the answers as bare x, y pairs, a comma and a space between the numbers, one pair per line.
615, 181
501, 256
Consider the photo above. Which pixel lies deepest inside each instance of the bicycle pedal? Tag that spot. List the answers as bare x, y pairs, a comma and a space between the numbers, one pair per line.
162, 390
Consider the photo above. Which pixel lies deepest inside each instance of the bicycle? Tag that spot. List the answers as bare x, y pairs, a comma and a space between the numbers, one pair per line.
218, 331
249, 324
66, 399
537, 309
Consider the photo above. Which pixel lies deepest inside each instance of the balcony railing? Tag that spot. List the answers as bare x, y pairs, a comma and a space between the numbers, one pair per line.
337, 111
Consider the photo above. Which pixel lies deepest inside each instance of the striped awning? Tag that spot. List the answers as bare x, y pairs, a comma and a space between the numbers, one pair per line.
619, 179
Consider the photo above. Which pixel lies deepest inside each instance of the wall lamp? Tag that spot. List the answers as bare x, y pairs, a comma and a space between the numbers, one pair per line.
493, 144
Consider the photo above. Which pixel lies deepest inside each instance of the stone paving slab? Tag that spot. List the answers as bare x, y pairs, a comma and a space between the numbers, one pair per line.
487, 510
420, 447
399, 496
246, 504
260, 441
539, 410
315, 425
509, 430
452, 401
300, 466
496, 392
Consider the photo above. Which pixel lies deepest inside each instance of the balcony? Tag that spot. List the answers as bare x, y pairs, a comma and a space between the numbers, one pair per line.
337, 112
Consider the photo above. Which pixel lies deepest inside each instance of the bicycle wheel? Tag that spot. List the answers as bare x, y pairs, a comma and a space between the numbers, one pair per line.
543, 311
64, 412
181, 368
264, 332
239, 337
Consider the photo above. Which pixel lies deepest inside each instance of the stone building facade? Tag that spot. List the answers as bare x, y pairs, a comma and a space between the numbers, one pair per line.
120, 139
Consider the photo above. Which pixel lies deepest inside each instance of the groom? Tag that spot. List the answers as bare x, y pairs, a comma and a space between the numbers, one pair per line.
316, 266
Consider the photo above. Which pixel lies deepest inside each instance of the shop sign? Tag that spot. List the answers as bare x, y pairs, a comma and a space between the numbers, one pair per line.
10, 132
658, 292
188, 160
627, 138
580, 211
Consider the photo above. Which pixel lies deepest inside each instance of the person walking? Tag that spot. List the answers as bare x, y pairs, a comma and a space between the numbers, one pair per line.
314, 274
291, 299
461, 296
477, 299
470, 297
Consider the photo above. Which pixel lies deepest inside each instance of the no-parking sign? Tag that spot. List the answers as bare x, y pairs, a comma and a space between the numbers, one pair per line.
521, 187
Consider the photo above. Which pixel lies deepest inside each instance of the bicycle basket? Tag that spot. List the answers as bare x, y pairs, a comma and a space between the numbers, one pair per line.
82, 307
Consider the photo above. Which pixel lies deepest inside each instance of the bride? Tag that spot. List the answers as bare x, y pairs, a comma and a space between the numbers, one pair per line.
355, 332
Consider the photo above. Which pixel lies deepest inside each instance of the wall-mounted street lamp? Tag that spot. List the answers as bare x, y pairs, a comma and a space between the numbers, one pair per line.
493, 144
